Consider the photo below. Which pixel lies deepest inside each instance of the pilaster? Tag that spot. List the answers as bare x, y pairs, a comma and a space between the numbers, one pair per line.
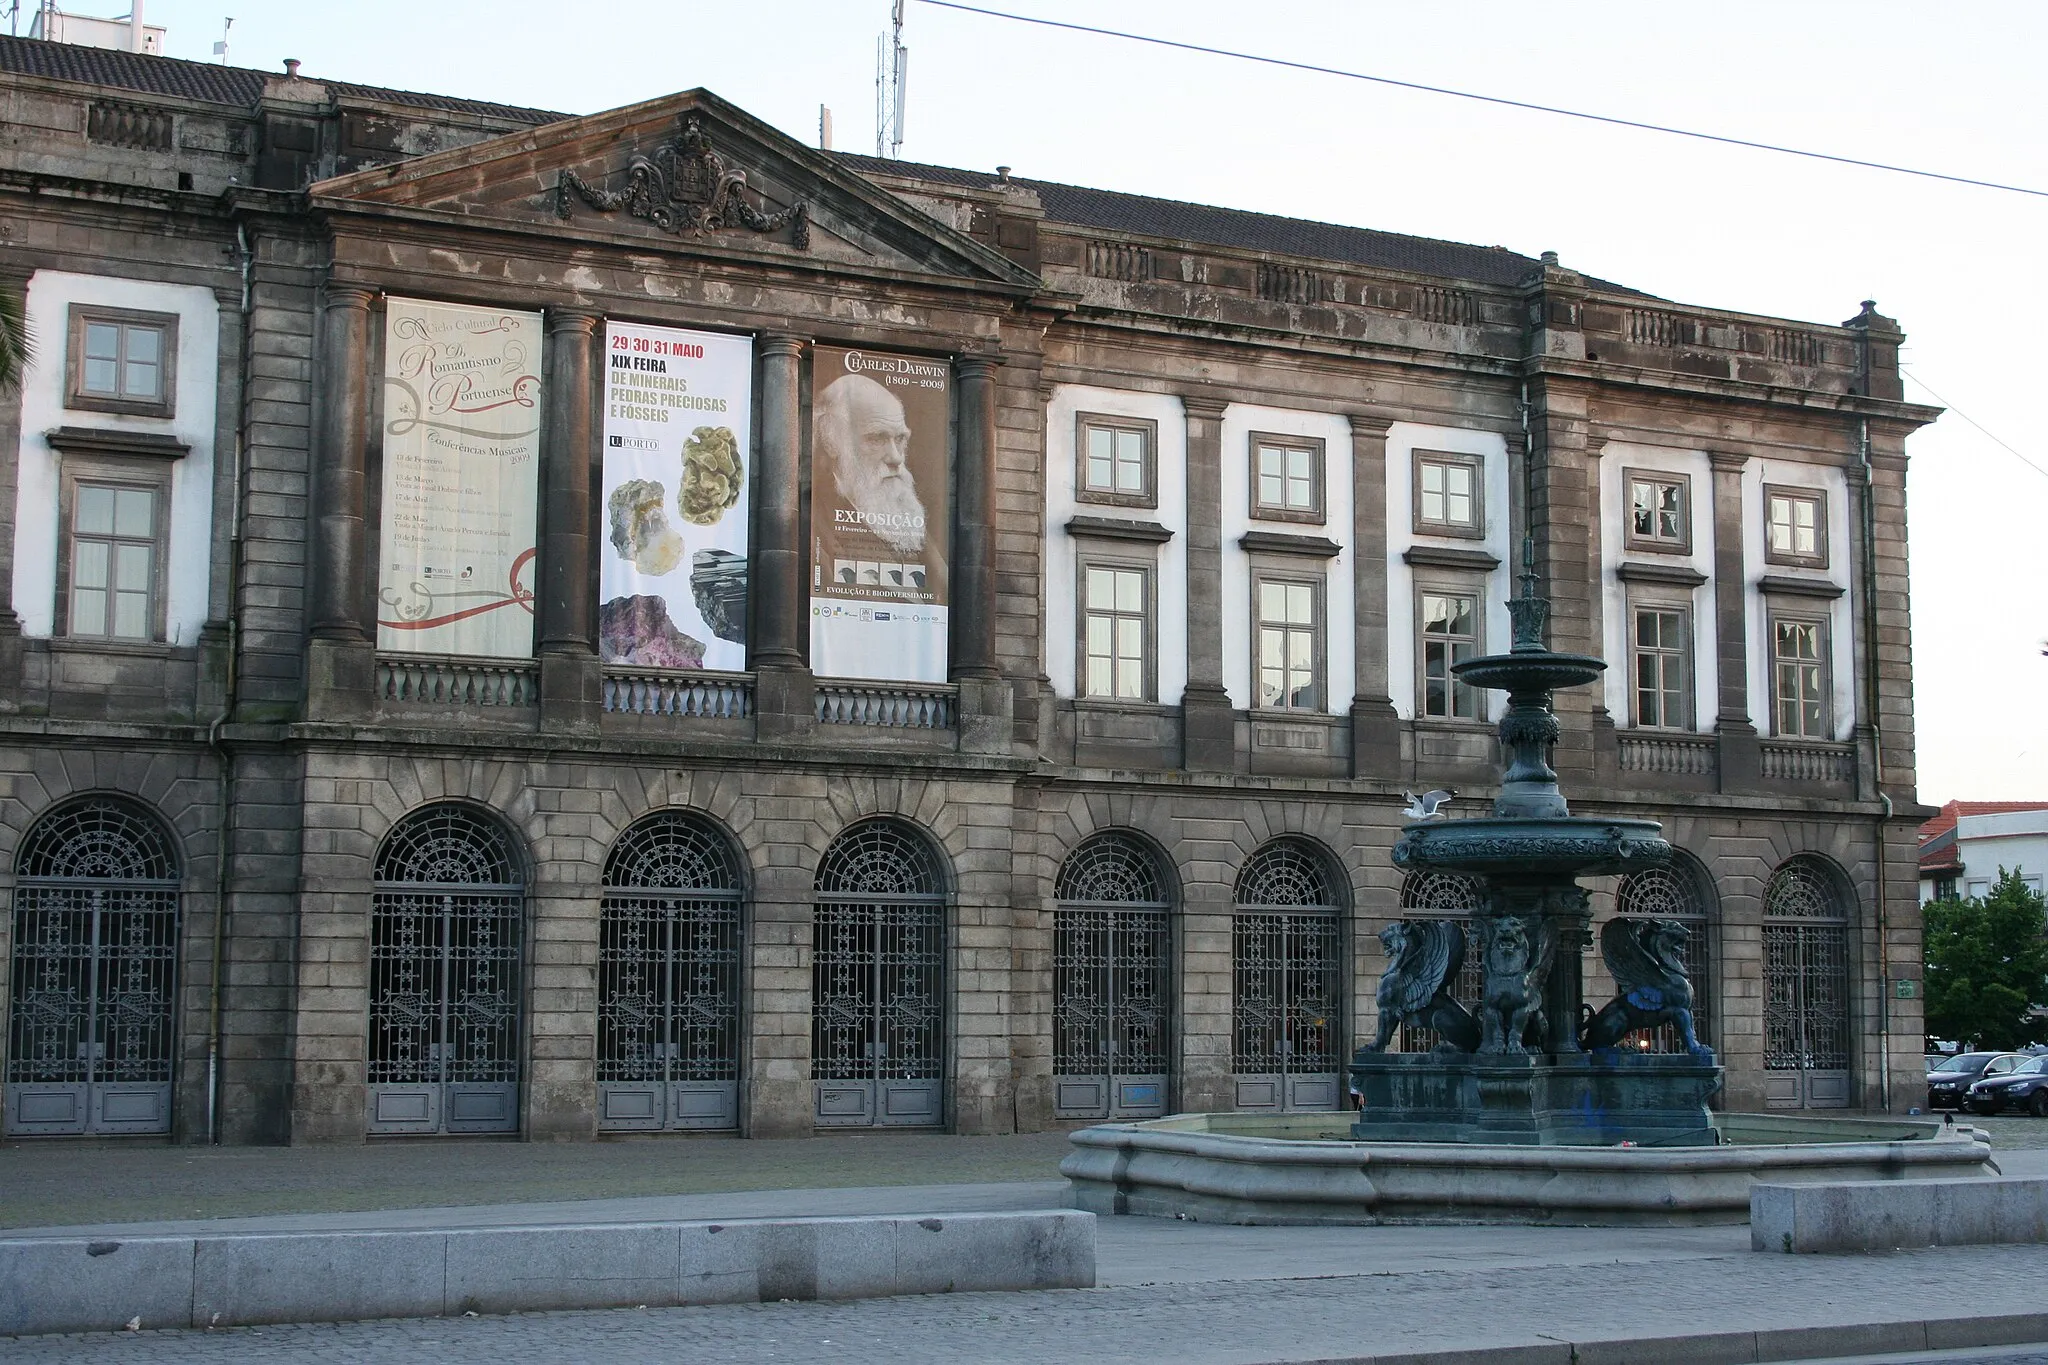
14, 280
1375, 727
784, 692
341, 656
985, 698
571, 695
1740, 758
1209, 730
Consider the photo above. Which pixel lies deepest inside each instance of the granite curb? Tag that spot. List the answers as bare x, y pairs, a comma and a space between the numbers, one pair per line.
1734, 1348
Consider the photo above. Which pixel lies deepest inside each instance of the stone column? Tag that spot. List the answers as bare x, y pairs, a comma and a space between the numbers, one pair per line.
1375, 728
341, 656
1208, 730
1739, 759
985, 700
783, 689
571, 684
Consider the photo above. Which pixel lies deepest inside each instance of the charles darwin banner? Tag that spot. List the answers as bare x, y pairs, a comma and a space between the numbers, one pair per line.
677, 433
462, 419
879, 506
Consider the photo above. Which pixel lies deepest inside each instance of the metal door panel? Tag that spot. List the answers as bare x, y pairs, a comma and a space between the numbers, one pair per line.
1258, 1092
704, 1105
844, 1104
628, 1106
1313, 1092
910, 1103
405, 1108
129, 1108
1084, 1097
1827, 1090
486, 1107
1141, 1098
47, 1109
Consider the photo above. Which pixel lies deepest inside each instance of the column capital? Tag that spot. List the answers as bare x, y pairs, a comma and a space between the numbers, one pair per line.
782, 343
1517, 442
1369, 424
342, 294
977, 366
582, 320
1727, 461
1203, 405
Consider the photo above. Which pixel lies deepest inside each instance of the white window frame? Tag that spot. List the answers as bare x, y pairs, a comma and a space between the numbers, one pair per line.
1436, 587
1148, 668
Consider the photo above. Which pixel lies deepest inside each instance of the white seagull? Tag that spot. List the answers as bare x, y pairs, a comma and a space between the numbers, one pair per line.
1427, 806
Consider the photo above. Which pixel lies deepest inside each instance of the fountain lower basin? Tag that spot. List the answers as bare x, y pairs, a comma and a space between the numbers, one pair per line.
1304, 1169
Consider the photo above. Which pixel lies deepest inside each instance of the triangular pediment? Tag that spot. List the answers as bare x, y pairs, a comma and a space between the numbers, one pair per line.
687, 171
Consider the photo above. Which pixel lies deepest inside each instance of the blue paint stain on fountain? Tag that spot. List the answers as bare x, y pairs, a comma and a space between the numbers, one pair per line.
1533, 1065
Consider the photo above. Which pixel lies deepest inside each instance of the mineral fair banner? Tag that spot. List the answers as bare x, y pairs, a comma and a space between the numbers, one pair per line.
461, 467
677, 438
879, 503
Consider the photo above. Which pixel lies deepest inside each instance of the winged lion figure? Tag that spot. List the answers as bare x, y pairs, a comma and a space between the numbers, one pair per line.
1423, 959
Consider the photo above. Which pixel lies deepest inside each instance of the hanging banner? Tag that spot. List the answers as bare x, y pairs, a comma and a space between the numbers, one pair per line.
461, 474
879, 507
677, 438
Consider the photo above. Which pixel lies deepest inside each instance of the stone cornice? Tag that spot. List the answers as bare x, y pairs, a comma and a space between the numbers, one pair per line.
1116, 528
1281, 543
1785, 585
1669, 575
1449, 557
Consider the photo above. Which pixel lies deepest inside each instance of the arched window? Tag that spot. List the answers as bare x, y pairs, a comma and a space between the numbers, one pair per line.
1444, 895
1806, 986
91, 1032
1677, 892
668, 978
878, 1002
1112, 975
1287, 973
444, 976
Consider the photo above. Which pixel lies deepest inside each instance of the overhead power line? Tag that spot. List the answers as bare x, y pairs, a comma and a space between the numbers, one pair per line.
1483, 99
1996, 439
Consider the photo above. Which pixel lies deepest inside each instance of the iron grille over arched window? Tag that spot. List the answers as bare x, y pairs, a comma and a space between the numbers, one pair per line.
1287, 974
1806, 986
444, 976
877, 977
93, 982
668, 977
1444, 895
1112, 974
1677, 892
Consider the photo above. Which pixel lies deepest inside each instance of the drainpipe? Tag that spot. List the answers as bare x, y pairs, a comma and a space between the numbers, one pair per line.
1872, 697
223, 759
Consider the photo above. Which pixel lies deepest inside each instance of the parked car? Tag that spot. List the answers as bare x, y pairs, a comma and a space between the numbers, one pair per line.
2025, 1086
1948, 1085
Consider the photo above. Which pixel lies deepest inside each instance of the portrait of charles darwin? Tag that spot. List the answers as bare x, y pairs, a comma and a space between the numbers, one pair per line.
878, 479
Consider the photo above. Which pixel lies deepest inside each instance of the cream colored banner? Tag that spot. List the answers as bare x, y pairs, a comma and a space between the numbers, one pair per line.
462, 421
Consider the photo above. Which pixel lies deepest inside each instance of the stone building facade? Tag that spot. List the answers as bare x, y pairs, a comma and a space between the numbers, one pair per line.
1228, 493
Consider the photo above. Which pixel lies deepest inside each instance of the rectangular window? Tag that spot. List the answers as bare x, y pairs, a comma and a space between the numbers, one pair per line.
1660, 652
1449, 495
1796, 527
1116, 629
1659, 511
121, 361
1116, 459
1450, 635
1287, 478
113, 561
1799, 669
1289, 643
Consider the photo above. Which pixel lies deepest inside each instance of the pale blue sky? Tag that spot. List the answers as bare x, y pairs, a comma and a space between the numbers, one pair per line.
1950, 88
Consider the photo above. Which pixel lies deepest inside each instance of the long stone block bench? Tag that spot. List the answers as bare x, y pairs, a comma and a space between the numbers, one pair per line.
1874, 1215
74, 1284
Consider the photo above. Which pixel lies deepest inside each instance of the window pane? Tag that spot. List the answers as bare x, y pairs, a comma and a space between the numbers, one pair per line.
1301, 651
1432, 491
145, 345
1272, 485
1271, 647
132, 507
1272, 602
1101, 588
1130, 679
1099, 676
1130, 462
1460, 619
1099, 628
131, 615
1099, 473
1130, 638
1300, 604
1130, 590
1458, 493
1101, 457
88, 611
1671, 512
140, 379
131, 568
94, 514
1642, 498
102, 357
89, 563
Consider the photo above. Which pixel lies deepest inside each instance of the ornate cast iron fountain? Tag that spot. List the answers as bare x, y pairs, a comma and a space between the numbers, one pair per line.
1532, 1065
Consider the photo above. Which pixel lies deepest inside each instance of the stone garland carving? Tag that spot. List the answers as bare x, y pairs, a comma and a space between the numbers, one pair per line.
1647, 960
1423, 958
685, 187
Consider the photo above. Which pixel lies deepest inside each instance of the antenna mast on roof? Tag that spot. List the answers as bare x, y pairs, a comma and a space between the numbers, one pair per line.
891, 61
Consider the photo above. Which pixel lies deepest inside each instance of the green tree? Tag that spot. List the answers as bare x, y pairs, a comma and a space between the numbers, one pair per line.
15, 348
1987, 966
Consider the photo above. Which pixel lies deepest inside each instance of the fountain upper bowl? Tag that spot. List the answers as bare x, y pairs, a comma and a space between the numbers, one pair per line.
1546, 848
1530, 669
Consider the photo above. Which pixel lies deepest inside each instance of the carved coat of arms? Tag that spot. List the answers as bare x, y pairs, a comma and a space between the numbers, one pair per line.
685, 186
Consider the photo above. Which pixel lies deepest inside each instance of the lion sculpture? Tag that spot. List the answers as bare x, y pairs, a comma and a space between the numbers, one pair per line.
1515, 969
1646, 957
1423, 959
